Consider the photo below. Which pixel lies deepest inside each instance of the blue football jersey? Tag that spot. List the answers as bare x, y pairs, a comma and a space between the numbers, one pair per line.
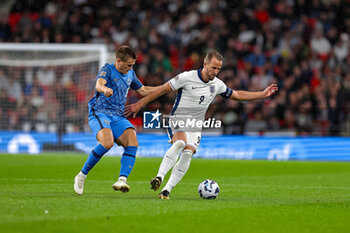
120, 83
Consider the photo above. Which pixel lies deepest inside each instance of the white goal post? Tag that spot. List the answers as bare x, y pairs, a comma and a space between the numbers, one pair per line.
92, 52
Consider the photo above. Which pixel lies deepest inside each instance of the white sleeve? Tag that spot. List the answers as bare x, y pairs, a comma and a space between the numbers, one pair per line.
178, 81
221, 87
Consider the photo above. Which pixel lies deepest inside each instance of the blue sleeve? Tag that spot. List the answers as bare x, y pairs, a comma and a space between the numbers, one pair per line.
135, 84
227, 93
104, 73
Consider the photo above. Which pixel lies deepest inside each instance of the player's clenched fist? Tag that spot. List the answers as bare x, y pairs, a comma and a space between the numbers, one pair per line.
108, 92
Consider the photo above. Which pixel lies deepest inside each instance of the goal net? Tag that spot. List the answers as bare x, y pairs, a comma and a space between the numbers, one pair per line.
44, 91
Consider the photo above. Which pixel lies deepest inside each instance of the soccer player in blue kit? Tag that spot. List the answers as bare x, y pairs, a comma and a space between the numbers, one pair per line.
107, 120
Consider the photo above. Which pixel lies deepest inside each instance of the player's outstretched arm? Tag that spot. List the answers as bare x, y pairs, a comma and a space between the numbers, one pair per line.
253, 95
100, 87
135, 108
146, 90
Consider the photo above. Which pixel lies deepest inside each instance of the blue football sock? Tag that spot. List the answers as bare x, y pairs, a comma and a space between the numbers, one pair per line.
128, 160
95, 156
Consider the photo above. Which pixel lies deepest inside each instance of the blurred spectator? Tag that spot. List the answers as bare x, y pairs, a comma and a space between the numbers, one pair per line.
46, 76
14, 89
4, 119
5, 104
320, 45
257, 59
341, 48
302, 45
3, 80
5, 29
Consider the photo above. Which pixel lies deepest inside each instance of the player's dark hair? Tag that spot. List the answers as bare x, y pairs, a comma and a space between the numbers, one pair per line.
212, 54
124, 53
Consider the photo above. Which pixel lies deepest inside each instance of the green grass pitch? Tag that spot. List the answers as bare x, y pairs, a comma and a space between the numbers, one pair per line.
36, 195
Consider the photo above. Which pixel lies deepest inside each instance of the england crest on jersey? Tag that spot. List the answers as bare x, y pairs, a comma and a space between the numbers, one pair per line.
212, 89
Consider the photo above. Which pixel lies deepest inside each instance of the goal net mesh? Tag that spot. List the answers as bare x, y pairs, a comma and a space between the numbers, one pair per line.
44, 90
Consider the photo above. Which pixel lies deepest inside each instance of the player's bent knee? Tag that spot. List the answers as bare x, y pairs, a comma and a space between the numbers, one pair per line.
128, 138
105, 137
179, 136
179, 144
193, 150
107, 144
128, 143
133, 143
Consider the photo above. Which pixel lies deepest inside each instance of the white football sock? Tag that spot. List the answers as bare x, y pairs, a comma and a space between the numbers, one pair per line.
82, 174
122, 178
179, 169
170, 158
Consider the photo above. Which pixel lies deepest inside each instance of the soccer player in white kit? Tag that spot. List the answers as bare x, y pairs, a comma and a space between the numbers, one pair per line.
196, 89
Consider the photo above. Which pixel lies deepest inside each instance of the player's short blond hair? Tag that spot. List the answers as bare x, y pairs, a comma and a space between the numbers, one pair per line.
212, 54
124, 53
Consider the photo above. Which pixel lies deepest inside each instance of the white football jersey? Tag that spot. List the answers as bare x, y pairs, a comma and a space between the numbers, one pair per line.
194, 95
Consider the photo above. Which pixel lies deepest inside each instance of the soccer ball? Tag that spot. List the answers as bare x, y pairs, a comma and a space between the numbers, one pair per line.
208, 189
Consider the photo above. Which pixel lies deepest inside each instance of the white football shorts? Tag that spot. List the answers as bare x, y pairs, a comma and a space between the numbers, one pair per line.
193, 138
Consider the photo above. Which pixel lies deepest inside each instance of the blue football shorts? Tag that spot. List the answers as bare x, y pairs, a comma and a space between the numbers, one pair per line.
117, 124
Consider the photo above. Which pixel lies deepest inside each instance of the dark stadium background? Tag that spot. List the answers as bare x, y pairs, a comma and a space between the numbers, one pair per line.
302, 45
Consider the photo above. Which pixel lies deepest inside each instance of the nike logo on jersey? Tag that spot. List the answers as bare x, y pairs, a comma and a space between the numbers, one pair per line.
199, 87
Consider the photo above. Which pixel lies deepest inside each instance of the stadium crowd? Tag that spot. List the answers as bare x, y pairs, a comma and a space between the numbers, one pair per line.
301, 45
